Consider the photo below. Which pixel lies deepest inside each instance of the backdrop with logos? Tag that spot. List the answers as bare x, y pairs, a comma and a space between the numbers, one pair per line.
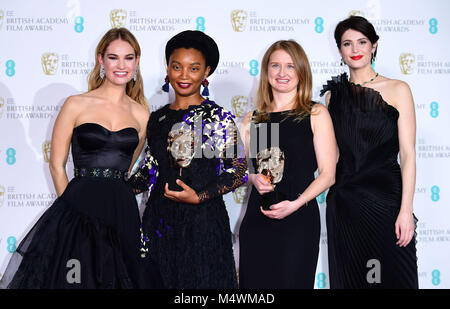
48, 47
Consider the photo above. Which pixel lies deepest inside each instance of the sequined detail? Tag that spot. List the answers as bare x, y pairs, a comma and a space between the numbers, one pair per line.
100, 173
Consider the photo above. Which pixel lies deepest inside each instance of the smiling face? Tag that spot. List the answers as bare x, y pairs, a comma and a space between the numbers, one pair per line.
119, 61
281, 72
356, 49
187, 69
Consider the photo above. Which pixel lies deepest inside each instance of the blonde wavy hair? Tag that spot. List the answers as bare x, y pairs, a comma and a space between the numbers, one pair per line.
264, 95
134, 89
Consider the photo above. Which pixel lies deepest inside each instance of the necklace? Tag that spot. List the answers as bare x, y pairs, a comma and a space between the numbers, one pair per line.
371, 80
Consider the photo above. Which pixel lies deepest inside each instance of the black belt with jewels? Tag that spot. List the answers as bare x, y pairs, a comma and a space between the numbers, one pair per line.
100, 173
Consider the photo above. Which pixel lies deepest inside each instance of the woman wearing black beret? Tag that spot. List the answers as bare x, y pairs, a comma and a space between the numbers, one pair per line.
197, 157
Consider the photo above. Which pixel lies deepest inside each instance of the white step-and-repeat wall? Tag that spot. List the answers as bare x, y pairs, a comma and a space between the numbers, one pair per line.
47, 50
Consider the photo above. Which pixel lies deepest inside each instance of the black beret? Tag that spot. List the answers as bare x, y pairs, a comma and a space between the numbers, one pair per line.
198, 40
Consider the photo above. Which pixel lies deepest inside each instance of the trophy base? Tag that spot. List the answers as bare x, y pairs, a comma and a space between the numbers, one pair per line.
173, 186
271, 198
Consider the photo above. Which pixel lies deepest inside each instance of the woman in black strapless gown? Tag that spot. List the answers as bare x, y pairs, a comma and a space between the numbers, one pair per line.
90, 236
288, 139
370, 221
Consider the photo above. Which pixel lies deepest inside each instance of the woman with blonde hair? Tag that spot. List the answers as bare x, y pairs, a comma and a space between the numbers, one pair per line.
89, 237
288, 138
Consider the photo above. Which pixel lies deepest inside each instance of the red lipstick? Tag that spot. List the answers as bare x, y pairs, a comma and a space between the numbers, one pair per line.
356, 57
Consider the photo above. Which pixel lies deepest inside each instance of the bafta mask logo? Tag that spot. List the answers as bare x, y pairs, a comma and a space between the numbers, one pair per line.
239, 194
2, 15
181, 146
46, 147
2, 104
2, 195
239, 105
407, 61
49, 63
356, 13
238, 20
118, 18
271, 164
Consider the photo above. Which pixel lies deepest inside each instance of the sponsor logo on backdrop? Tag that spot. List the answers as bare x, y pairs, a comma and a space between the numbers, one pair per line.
2, 16
15, 23
27, 199
356, 13
436, 277
12, 111
321, 280
79, 21
2, 104
432, 151
225, 67
11, 156
407, 61
200, 21
239, 20
412, 64
10, 68
49, 63
434, 109
53, 64
250, 21
326, 67
433, 25
2, 195
46, 147
239, 194
239, 105
136, 22
118, 18
432, 234
393, 24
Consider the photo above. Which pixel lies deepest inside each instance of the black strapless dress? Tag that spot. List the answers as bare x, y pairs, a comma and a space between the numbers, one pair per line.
90, 236
364, 202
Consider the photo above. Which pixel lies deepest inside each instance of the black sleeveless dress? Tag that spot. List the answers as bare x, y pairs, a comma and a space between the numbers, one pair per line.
282, 253
92, 228
364, 202
192, 243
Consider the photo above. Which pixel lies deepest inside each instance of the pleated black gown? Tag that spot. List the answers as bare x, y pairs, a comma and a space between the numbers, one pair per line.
364, 202
95, 222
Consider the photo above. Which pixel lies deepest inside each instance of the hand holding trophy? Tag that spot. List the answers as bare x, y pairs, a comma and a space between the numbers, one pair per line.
271, 166
181, 152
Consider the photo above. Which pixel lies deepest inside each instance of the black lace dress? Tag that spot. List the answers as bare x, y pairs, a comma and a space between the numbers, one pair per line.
90, 237
364, 203
193, 243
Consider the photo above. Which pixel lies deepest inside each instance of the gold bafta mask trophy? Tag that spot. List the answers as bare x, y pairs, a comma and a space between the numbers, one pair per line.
271, 165
2, 195
181, 152
2, 104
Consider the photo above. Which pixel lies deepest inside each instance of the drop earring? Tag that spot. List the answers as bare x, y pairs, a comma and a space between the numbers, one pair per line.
165, 87
205, 84
102, 72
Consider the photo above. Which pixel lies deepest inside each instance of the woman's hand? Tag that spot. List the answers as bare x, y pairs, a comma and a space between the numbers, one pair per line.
188, 195
260, 183
281, 210
404, 228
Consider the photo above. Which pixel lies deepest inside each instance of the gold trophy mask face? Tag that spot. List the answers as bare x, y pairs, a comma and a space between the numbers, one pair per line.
271, 164
239, 105
238, 20
406, 63
181, 146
